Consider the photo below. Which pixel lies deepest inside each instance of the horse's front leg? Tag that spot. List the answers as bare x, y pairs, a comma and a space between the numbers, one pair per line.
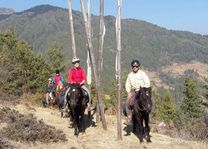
82, 122
147, 129
134, 121
75, 120
76, 125
140, 128
71, 116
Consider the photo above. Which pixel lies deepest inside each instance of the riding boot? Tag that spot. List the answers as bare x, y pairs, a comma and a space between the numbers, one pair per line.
89, 104
67, 93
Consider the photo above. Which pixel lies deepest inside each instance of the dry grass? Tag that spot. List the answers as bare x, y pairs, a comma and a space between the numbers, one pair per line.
179, 68
27, 128
93, 138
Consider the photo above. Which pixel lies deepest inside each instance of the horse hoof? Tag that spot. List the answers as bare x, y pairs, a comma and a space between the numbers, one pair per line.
148, 140
76, 134
141, 140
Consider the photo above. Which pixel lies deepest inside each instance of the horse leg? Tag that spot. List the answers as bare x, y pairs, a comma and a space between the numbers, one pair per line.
141, 129
134, 126
76, 125
138, 121
134, 123
81, 123
70, 113
76, 131
147, 129
46, 102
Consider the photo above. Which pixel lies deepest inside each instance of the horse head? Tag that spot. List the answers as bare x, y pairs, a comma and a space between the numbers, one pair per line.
143, 99
75, 94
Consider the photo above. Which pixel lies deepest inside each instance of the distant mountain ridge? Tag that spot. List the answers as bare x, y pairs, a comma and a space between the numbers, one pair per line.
44, 26
6, 11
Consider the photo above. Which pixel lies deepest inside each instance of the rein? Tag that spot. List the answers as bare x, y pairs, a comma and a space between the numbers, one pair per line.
140, 108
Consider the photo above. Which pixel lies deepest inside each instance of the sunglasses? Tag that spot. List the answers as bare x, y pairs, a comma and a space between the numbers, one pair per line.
135, 66
75, 62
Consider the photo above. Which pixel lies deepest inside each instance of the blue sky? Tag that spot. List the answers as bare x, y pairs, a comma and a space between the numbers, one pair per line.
188, 15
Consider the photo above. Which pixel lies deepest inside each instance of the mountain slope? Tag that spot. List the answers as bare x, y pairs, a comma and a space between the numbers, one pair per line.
44, 26
6, 11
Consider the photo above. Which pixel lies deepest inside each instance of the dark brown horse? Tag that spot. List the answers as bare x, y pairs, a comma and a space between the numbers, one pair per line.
77, 103
140, 114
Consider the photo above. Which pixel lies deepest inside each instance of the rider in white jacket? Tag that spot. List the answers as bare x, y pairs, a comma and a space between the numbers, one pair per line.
136, 79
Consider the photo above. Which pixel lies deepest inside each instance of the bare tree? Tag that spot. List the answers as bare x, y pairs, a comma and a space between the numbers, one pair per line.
95, 71
100, 50
118, 68
72, 27
89, 61
101, 39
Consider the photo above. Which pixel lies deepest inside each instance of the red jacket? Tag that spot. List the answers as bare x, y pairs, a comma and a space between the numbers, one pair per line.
76, 75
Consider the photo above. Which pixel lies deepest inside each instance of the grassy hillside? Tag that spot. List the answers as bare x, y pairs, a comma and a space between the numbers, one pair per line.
45, 26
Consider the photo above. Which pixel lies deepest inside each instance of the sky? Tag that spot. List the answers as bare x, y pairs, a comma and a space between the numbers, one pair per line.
186, 15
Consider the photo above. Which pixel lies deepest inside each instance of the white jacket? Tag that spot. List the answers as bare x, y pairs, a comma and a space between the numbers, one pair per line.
136, 80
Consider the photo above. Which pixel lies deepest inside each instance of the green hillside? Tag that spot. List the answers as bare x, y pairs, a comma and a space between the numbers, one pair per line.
45, 26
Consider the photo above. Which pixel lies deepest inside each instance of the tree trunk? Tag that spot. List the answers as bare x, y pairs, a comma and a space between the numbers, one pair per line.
72, 28
95, 71
101, 39
100, 49
118, 70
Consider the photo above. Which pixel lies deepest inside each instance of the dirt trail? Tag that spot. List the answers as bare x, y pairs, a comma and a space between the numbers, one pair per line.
96, 137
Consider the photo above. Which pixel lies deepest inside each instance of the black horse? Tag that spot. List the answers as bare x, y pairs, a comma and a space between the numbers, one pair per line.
77, 102
140, 113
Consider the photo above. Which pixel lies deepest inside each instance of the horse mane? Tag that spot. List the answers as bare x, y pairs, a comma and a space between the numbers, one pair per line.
75, 86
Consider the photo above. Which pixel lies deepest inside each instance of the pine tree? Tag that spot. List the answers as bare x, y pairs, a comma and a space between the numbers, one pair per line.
23, 71
41, 73
56, 58
17, 59
166, 109
191, 103
205, 94
191, 113
112, 90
